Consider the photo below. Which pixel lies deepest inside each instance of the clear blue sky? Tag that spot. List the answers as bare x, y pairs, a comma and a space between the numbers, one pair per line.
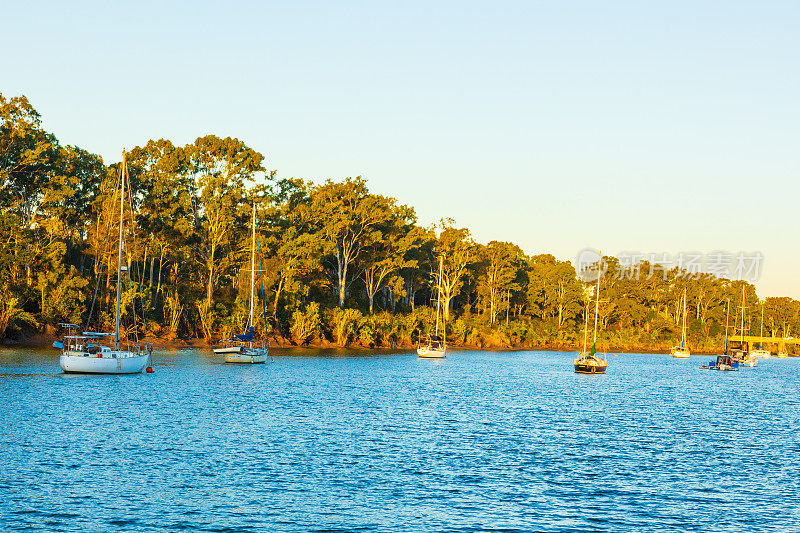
624, 126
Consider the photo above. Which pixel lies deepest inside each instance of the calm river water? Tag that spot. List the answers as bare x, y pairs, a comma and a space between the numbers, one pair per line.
480, 441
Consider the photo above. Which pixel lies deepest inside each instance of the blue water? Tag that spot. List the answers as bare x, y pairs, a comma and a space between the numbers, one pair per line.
477, 442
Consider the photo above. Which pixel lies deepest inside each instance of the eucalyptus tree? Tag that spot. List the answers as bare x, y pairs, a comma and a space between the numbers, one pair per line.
390, 250
291, 252
458, 251
28, 166
347, 218
416, 274
554, 291
782, 316
27, 158
498, 275
166, 208
218, 172
80, 174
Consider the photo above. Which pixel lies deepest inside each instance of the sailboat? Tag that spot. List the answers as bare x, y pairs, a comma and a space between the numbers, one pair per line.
435, 347
682, 351
589, 362
242, 348
741, 353
85, 353
761, 353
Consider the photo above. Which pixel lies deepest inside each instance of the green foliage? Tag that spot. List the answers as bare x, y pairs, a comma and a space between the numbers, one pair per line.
306, 324
338, 262
12, 315
173, 311
344, 325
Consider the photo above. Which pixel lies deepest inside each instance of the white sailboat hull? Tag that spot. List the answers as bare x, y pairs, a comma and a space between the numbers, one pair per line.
761, 354
229, 349
681, 354
113, 362
248, 356
431, 353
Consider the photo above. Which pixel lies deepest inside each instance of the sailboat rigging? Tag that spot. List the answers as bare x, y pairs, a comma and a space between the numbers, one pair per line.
761, 353
724, 362
682, 351
741, 354
589, 362
435, 347
85, 353
243, 348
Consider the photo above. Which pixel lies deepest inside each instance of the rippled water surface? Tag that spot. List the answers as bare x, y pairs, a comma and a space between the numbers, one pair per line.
479, 441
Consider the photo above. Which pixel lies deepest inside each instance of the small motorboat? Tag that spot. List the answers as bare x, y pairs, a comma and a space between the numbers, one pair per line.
723, 362
744, 358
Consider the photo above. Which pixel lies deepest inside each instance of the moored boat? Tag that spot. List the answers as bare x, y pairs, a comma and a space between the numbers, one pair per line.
432, 348
589, 362
723, 362
85, 353
435, 347
761, 353
682, 351
244, 348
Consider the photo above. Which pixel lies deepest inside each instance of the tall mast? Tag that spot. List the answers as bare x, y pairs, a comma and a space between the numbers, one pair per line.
727, 314
253, 266
683, 332
761, 346
585, 324
119, 250
438, 295
597, 302
741, 329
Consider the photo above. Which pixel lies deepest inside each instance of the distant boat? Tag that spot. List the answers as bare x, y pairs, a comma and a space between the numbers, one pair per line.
589, 362
243, 348
723, 362
682, 351
761, 353
741, 355
85, 353
782, 355
435, 347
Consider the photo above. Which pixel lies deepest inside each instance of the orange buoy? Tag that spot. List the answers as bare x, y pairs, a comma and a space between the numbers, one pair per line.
149, 369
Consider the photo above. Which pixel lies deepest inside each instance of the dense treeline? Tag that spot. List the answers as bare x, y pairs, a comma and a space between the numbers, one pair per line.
340, 264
